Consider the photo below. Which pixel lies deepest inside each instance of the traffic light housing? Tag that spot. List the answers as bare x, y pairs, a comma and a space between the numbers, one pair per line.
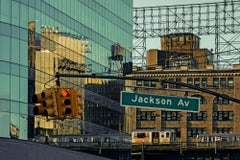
37, 99
63, 102
58, 103
45, 103
75, 103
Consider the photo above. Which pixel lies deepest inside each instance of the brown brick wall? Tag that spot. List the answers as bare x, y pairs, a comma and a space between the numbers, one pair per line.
209, 124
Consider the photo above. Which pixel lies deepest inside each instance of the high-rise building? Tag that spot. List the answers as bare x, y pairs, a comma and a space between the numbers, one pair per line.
41, 37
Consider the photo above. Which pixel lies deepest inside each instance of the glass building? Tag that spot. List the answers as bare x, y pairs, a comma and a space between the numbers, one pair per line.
38, 36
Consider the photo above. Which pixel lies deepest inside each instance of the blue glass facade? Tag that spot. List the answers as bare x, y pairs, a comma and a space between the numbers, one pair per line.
101, 22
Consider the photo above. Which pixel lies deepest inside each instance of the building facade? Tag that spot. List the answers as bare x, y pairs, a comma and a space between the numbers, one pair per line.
41, 37
216, 115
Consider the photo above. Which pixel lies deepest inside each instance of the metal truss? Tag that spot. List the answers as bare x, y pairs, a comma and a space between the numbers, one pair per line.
220, 20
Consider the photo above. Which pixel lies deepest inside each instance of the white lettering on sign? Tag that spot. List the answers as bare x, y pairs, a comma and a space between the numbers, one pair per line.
183, 103
151, 100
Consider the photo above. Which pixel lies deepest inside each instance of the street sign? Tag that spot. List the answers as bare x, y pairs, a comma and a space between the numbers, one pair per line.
190, 104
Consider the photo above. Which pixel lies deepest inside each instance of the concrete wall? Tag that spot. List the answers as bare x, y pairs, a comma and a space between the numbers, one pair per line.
13, 149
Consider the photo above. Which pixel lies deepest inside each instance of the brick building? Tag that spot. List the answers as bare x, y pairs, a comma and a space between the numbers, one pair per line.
182, 60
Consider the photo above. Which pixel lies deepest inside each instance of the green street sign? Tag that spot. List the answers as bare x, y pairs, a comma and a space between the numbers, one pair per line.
190, 104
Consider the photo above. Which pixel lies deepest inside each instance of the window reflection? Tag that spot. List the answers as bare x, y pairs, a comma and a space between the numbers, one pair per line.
14, 46
5, 125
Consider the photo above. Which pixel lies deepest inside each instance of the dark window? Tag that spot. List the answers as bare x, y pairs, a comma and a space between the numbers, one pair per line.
223, 82
139, 83
141, 135
204, 82
195, 131
196, 82
146, 116
215, 82
167, 134
201, 116
184, 41
153, 83
222, 130
171, 116
164, 85
189, 81
146, 83
223, 116
230, 83
178, 80
171, 85
220, 100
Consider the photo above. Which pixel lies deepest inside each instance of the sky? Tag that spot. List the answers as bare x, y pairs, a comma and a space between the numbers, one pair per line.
155, 43
146, 3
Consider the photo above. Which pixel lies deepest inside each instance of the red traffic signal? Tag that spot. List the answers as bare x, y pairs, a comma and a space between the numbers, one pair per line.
63, 102
58, 103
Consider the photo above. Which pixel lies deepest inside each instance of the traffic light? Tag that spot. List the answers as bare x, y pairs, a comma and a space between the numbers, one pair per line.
45, 103
57, 103
63, 103
38, 109
75, 103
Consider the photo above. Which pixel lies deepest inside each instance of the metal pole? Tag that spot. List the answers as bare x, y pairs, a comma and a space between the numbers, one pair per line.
58, 75
215, 145
142, 157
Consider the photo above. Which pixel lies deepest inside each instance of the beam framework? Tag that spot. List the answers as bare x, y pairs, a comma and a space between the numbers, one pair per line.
220, 20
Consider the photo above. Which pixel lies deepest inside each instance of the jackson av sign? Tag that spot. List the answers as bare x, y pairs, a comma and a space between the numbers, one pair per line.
190, 104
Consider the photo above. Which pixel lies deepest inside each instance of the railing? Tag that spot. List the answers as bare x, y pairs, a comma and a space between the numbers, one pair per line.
188, 146
93, 145
123, 142
105, 141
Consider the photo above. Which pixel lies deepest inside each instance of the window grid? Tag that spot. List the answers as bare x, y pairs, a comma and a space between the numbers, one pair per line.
146, 116
171, 116
223, 116
191, 132
201, 116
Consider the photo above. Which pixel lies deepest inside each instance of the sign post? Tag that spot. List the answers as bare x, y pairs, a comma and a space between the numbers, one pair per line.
189, 104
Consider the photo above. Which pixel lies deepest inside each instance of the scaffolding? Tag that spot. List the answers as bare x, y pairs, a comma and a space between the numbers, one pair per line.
220, 20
